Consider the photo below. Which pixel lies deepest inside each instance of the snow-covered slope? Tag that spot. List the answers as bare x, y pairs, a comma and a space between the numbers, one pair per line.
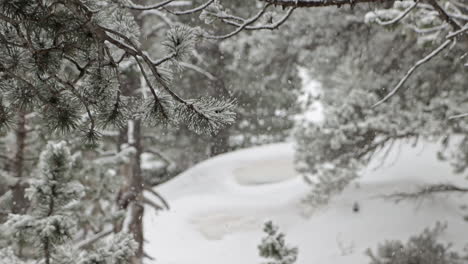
218, 208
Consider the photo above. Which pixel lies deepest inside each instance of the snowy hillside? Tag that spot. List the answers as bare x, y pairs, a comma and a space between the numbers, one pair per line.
218, 208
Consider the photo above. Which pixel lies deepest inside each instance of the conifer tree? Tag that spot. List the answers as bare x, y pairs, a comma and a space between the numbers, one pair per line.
51, 225
357, 74
241, 67
66, 58
421, 248
274, 247
68, 63
73, 64
51, 194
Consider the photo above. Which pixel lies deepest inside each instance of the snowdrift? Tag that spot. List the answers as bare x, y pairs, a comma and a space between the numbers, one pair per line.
219, 206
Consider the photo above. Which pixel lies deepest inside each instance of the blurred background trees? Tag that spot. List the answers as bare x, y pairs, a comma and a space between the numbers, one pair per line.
113, 78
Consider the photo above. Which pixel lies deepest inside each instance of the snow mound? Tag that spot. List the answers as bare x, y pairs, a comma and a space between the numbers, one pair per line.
219, 206
265, 172
214, 225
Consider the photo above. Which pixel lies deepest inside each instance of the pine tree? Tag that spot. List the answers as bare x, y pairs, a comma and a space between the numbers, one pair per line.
51, 225
95, 169
354, 77
65, 59
80, 68
241, 67
274, 247
422, 248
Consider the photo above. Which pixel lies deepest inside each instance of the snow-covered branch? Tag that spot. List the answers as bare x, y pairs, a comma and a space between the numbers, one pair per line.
193, 10
411, 71
166, 3
242, 26
194, 67
232, 20
398, 18
320, 3
426, 191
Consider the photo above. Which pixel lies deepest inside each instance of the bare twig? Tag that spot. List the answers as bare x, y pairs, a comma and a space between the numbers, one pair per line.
228, 19
321, 3
425, 191
156, 206
458, 32
155, 6
160, 14
411, 70
193, 67
458, 116
94, 239
166, 58
443, 14
246, 23
398, 18
458, 16
274, 25
191, 11
146, 255
153, 192
426, 30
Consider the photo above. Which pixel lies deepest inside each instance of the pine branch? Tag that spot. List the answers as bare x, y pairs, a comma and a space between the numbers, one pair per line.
234, 20
419, 63
443, 14
85, 45
165, 59
274, 248
426, 191
193, 10
246, 23
206, 115
400, 17
155, 6
204, 72
320, 3
458, 116
458, 32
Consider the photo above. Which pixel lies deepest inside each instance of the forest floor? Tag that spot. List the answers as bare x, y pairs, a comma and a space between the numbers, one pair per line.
219, 206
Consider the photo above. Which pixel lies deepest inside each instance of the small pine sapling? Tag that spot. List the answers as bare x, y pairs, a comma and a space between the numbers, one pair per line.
51, 224
422, 248
274, 248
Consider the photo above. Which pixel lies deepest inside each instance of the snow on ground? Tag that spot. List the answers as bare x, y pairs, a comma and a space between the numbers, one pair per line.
218, 208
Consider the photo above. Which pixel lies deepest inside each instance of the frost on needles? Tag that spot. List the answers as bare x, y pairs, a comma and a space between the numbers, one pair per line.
274, 248
65, 60
50, 227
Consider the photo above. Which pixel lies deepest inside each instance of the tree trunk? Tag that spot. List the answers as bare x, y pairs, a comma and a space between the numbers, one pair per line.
136, 185
130, 197
20, 203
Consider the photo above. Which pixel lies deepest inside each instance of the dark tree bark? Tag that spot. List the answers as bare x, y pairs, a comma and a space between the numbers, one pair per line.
20, 203
306, 3
130, 197
137, 184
